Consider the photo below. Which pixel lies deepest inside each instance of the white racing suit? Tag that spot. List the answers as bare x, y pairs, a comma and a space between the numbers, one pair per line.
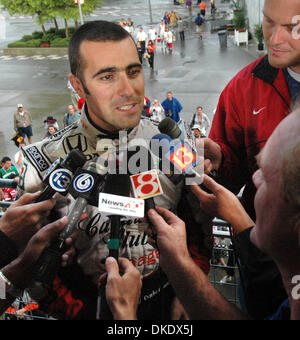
94, 232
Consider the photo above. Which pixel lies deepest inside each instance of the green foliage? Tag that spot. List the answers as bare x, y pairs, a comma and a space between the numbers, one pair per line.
48, 38
60, 42
259, 34
37, 35
28, 43
236, 4
239, 20
45, 10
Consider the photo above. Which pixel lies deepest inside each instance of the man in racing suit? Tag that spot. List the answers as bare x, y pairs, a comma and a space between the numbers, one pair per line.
74, 290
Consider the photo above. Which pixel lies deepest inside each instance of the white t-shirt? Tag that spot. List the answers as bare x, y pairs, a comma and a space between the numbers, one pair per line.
152, 34
141, 36
168, 36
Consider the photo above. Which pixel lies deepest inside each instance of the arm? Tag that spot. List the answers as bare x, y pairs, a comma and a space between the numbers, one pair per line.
19, 272
24, 218
223, 204
227, 132
122, 292
193, 288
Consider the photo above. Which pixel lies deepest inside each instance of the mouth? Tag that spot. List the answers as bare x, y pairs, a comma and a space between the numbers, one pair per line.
278, 52
128, 108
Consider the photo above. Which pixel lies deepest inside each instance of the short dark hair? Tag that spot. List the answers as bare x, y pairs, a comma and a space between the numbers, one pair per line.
5, 159
100, 31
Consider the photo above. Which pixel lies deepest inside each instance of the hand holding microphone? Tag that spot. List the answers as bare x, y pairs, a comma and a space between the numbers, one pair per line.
84, 186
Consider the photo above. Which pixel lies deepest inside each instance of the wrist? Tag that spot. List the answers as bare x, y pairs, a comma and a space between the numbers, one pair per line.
16, 273
241, 222
125, 315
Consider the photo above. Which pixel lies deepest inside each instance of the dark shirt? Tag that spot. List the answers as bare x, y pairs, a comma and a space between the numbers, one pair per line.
260, 278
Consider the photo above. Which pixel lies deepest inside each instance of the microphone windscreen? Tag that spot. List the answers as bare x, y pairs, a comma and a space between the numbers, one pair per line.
169, 127
160, 144
117, 184
75, 159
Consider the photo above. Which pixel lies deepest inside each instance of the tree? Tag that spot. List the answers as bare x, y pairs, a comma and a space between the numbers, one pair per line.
46, 10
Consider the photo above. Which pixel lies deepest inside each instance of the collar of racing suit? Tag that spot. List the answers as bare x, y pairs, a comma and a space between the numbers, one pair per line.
99, 138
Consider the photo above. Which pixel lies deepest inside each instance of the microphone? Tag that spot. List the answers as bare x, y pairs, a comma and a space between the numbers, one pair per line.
58, 177
85, 185
178, 160
178, 131
169, 127
119, 185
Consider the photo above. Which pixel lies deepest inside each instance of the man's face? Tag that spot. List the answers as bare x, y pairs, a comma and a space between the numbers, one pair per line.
71, 109
20, 109
271, 233
169, 96
197, 133
281, 34
7, 165
112, 74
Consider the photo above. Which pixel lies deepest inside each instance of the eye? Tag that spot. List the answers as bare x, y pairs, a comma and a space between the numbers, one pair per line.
134, 72
106, 77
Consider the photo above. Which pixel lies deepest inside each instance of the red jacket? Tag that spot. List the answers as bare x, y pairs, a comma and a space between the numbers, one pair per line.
255, 101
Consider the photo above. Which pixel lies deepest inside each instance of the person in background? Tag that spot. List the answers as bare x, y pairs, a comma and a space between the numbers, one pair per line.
23, 123
151, 50
200, 118
50, 120
7, 168
181, 29
202, 7
172, 107
71, 116
157, 112
51, 131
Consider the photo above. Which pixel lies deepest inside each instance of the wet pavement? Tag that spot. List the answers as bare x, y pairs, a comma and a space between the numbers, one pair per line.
196, 72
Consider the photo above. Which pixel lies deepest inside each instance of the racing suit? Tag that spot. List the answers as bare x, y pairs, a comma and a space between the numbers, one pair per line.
91, 244
251, 106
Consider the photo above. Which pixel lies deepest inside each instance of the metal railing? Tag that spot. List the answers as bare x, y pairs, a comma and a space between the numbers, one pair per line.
224, 274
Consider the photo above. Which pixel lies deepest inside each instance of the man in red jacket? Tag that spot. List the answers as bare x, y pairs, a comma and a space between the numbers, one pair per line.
255, 101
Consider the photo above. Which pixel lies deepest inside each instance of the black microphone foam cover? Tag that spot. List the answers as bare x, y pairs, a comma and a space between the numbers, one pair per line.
75, 159
169, 127
117, 184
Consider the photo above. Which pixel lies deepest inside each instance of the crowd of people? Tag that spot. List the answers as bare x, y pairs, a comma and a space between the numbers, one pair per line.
162, 271
165, 34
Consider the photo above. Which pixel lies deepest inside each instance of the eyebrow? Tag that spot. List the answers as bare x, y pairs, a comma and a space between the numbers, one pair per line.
284, 25
116, 69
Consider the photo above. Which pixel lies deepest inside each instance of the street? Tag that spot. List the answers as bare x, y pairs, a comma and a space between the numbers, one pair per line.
196, 72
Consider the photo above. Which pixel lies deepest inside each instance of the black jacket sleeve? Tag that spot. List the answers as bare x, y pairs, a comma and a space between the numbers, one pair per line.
8, 250
260, 278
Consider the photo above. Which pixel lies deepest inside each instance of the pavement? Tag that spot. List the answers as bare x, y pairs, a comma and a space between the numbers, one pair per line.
196, 72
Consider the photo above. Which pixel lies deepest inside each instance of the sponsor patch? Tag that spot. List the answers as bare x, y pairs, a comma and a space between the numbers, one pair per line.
37, 158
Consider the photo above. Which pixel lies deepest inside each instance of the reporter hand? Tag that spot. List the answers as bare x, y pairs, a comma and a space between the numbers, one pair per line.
24, 218
212, 155
19, 272
222, 203
122, 291
171, 236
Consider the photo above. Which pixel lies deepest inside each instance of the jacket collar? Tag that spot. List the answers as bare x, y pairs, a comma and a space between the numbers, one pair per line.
95, 133
265, 71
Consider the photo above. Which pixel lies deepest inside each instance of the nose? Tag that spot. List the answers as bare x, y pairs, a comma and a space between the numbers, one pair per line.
256, 178
278, 35
125, 86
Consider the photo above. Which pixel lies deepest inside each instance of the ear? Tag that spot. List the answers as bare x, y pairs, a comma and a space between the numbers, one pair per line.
77, 85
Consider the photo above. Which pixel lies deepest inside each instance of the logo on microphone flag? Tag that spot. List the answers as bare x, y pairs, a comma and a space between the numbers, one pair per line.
146, 184
183, 157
